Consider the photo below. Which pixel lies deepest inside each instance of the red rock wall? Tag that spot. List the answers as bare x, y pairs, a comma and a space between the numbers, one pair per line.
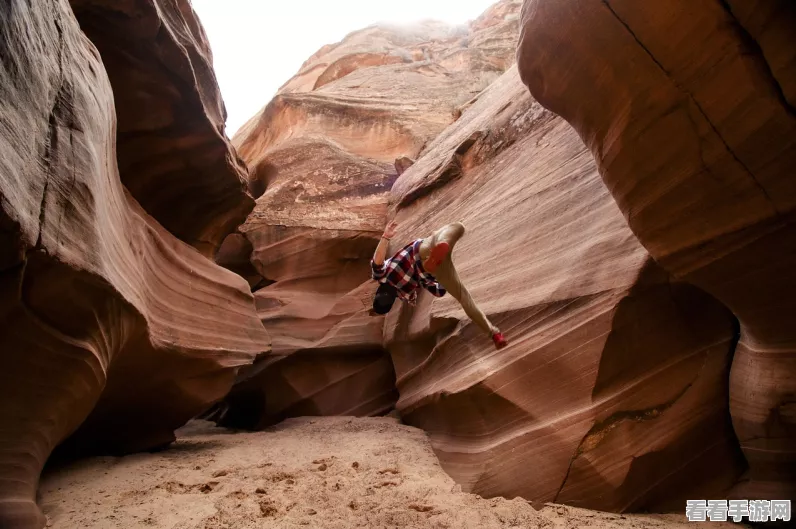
613, 391
688, 109
171, 144
107, 317
324, 151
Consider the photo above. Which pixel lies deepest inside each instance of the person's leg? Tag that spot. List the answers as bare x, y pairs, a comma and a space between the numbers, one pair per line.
450, 234
448, 277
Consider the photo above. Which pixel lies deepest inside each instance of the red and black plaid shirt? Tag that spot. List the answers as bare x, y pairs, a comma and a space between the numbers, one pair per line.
405, 272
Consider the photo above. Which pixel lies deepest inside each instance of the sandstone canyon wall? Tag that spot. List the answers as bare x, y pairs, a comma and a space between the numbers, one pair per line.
644, 279
325, 152
613, 391
109, 320
689, 110
171, 145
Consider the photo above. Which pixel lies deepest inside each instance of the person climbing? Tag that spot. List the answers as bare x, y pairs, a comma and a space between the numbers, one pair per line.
425, 263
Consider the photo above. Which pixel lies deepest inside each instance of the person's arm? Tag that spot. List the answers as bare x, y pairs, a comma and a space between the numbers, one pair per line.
381, 251
377, 263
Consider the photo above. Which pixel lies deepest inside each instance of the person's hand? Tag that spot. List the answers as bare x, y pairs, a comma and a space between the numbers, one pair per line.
390, 230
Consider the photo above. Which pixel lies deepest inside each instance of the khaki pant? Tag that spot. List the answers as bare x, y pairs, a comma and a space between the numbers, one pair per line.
448, 277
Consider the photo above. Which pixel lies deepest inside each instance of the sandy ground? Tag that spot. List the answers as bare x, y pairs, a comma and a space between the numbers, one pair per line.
336, 472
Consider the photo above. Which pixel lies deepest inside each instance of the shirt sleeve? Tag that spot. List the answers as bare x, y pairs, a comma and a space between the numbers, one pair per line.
378, 271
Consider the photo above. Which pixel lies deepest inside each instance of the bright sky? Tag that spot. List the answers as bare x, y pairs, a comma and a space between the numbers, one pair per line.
259, 44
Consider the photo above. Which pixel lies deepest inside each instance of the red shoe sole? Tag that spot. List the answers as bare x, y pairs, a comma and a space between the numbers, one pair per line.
438, 254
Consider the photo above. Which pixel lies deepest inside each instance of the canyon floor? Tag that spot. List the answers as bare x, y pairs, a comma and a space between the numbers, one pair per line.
335, 472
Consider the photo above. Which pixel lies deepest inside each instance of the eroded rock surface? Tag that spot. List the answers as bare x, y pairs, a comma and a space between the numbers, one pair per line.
100, 304
688, 108
324, 152
613, 391
171, 143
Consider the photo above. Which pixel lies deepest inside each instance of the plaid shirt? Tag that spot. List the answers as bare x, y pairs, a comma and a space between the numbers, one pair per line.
405, 272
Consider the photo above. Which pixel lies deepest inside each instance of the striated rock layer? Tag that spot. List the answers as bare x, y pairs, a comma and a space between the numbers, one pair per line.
688, 108
324, 153
100, 304
171, 143
613, 391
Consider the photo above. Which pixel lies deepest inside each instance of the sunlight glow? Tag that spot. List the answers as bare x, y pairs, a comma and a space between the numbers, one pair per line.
259, 44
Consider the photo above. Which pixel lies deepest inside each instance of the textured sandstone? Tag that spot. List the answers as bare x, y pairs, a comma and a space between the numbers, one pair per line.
100, 304
612, 392
171, 143
326, 151
234, 255
688, 108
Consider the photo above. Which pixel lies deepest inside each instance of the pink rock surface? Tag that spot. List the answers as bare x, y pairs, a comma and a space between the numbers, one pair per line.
171, 144
688, 109
324, 152
612, 393
106, 316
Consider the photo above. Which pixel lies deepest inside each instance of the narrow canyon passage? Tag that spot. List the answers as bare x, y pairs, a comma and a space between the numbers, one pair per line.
623, 171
